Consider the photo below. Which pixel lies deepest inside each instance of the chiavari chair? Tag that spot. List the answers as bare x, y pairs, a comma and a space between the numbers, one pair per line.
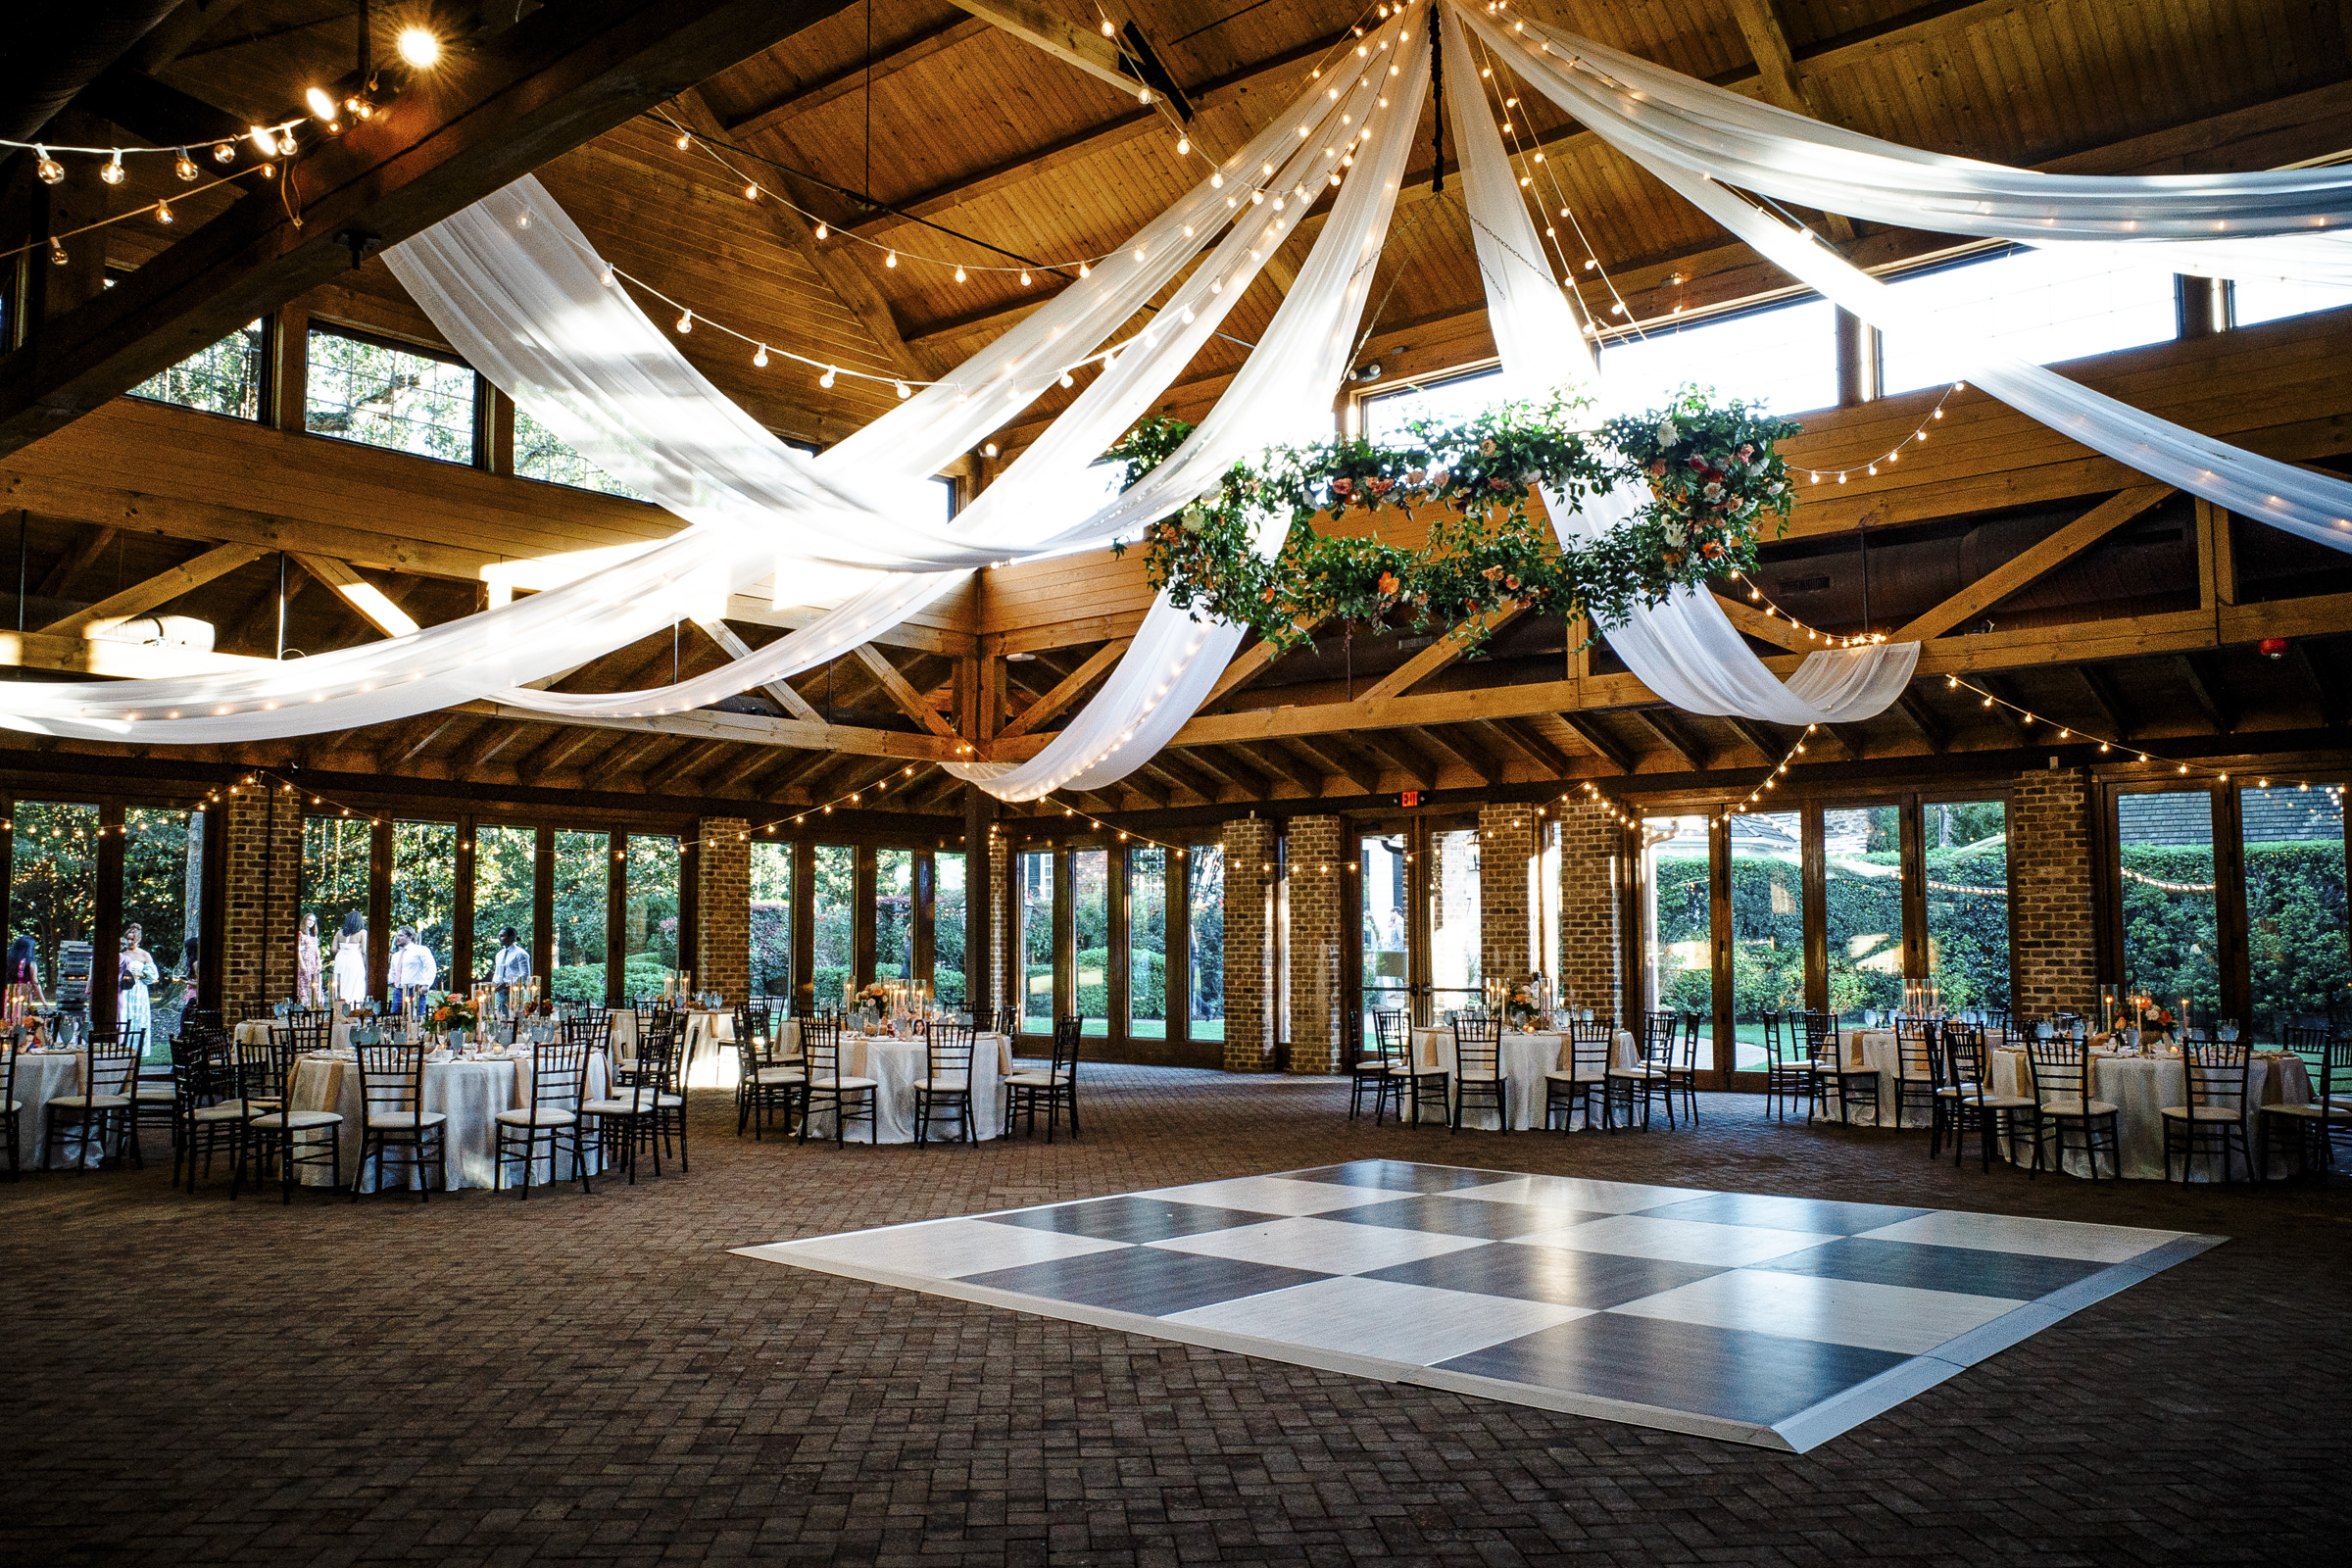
2216, 1075
945, 1090
392, 1116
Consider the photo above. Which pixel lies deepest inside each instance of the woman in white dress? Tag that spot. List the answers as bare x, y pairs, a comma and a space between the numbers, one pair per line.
137, 973
351, 962
309, 990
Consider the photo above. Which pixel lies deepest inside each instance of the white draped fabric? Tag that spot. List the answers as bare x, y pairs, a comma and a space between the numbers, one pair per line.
2316, 506
1685, 649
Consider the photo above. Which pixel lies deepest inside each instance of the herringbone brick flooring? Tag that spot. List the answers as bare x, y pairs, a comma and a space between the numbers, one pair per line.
596, 1380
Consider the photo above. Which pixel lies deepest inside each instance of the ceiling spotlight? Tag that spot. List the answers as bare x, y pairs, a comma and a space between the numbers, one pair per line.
419, 47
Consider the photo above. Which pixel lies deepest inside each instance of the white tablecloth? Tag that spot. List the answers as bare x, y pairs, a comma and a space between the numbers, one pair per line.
709, 1046
2140, 1087
1526, 1058
471, 1092
42, 1076
1872, 1051
896, 1065
254, 1031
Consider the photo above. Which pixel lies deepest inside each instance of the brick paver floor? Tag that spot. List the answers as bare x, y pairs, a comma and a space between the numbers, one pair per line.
594, 1379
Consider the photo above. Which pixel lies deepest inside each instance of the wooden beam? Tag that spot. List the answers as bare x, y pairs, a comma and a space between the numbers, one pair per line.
1450, 645
89, 547
1336, 760
2108, 700
2329, 695
1073, 46
1414, 763
910, 701
1678, 740
1066, 690
886, 63
795, 705
706, 723
1765, 629
441, 725
2022, 569
1272, 760
1759, 23
80, 656
1767, 742
1931, 728
1523, 734
156, 591
1606, 746
2207, 692
562, 749
553, 82
368, 602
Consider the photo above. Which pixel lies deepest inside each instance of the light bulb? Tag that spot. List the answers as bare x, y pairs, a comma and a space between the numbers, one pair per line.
1216, 182
958, 275
606, 276
51, 171
684, 141
262, 141
420, 47
1024, 277
759, 360
823, 230
322, 106
1109, 32
751, 192
686, 321
184, 166
892, 260
163, 211
826, 380
1085, 270
57, 253
988, 450
225, 152
111, 172
1184, 144
1067, 379
902, 390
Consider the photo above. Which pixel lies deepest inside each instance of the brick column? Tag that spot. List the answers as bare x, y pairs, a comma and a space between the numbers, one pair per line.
1249, 946
1318, 925
1506, 850
1591, 943
722, 873
1004, 915
262, 887
2053, 929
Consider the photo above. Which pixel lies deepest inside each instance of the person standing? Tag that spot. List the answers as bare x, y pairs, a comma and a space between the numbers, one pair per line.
512, 970
25, 972
413, 969
351, 962
136, 973
309, 990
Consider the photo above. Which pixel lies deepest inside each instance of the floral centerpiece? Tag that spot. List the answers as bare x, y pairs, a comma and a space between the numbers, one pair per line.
452, 1013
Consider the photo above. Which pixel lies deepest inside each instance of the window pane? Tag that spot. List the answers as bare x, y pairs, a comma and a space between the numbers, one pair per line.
2170, 930
1678, 911
834, 959
947, 916
1148, 943
226, 378
1204, 882
2041, 305
2294, 842
538, 454
772, 920
1862, 875
1768, 927
582, 894
505, 864
947, 498
1034, 871
425, 888
1785, 358
893, 915
1967, 848
53, 895
1090, 894
1454, 960
1386, 918
1453, 401
649, 934
337, 854
163, 894
2255, 300
387, 397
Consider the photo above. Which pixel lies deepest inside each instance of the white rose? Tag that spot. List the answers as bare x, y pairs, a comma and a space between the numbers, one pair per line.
1676, 535
1666, 433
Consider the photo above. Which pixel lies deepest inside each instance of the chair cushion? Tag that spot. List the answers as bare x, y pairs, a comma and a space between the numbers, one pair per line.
165, 1093
1039, 1080
2311, 1112
944, 1085
14, 1105
2077, 1108
297, 1120
831, 1084
1570, 1078
617, 1107
227, 1111
2201, 1114
1637, 1072
781, 1075
538, 1116
91, 1102
398, 1121
2000, 1101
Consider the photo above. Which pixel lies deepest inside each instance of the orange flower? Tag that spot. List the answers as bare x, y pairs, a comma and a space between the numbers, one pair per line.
1388, 582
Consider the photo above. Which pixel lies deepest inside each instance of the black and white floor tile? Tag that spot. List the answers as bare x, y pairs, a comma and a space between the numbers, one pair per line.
1770, 1320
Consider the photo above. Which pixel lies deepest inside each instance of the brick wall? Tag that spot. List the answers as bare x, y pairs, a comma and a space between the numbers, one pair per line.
261, 885
723, 869
1318, 925
1249, 946
2052, 929
1507, 845
1590, 940
1003, 911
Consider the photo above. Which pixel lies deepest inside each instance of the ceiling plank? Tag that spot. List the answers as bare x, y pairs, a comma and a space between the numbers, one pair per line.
1066, 690
886, 62
1098, 56
159, 589
368, 602
1589, 730
2022, 569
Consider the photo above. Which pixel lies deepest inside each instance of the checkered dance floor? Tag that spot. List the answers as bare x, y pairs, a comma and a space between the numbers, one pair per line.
1775, 1321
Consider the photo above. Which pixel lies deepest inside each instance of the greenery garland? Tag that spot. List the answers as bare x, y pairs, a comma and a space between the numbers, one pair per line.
1712, 470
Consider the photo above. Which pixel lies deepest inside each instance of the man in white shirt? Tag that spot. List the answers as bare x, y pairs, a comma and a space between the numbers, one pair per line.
512, 970
413, 969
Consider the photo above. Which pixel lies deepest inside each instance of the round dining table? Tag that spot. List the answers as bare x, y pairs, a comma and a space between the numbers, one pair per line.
43, 1076
1527, 1055
2140, 1087
469, 1087
896, 1065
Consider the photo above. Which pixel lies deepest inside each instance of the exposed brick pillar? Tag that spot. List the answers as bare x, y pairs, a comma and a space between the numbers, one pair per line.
1003, 911
723, 869
1507, 857
1248, 945
1318, 925
1591, 943
2053, 931
262, 889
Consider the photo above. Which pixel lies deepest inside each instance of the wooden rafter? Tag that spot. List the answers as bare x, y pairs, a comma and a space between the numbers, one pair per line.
1523, 735
1923, 720
1090, 51
89, 547
887, 62
900, 691
368, 602
1449, 646
2205, 686
1402, 755
2022, 569
1679, 739
1589, 729
1342, 761
2108, 700
1759, 23
733, 646
156, 591
1068, 690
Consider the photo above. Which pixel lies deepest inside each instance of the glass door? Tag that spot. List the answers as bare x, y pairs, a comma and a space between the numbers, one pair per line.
1386, 925
2295, 937
2171, 903
1768, 927
1678, 921
1455, 962
1862, 889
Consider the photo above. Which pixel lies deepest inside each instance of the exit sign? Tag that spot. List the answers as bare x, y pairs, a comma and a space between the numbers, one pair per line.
1409, 798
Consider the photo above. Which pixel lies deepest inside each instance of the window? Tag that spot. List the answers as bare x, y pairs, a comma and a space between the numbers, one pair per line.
1385, 914
338, 853
2171, 935
947, 499
505, 875
1452, 401
1862, 886
1678, 918
2255, 300
1205, 893
1148, 943
226, 378
163, 894
1785, 358
2041, 305
2294, 845
538, 454
949, 912
1966, 845
425, 893
649, 929
893, 915
1767, 928
582, 896
1454, 959
53, 892
771, 919
1090, 936
381, 396
833, 914
1033, 870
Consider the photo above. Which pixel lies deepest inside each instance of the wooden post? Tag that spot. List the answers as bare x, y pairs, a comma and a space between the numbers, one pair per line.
461, 915
379, 905
1857, 361
616, 912
804, 924
288, 387
862, 914
106, 940
979, 901
543, 911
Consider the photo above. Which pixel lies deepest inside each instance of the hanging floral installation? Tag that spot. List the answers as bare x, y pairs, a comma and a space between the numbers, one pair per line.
1713, 470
